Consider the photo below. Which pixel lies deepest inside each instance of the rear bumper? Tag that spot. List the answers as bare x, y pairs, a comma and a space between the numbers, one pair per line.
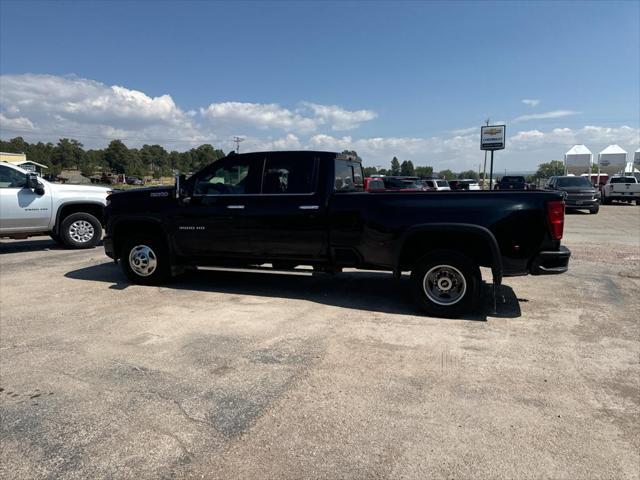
108, 247
551, 262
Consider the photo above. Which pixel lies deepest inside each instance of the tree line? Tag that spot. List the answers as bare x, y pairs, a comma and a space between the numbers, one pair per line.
154, 160
149, 160
407, 169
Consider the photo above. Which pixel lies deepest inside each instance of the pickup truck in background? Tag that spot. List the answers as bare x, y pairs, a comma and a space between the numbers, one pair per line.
310, 208
621, 188
579, 192
30, 205
511, 182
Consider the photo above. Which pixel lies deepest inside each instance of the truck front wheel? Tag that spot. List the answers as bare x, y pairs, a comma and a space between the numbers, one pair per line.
445, 283
80, 230
145, 260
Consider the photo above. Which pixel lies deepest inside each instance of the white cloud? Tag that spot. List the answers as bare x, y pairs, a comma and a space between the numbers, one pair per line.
531, 102
261, 115
309, 118
338, 117
595, 137
15, 123
72, 106
47, 107
545, 115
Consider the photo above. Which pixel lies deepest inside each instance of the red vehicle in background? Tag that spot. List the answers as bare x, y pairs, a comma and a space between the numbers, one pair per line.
374, 184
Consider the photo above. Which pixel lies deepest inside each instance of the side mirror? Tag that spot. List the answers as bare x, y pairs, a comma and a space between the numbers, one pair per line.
34, 184
32, 181
180, 180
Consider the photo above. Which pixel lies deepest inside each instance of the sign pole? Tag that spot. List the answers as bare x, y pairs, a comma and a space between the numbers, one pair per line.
491, 171
484, 169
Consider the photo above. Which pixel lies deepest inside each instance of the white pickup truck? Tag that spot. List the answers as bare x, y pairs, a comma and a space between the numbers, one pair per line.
622, 188
29, 205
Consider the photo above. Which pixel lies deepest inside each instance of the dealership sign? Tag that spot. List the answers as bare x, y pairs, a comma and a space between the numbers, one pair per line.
492, 137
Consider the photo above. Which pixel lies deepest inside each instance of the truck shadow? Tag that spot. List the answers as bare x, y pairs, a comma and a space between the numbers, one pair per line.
19, 246
369, 291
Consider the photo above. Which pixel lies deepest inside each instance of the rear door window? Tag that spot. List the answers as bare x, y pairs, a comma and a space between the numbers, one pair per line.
348, 176
289, 175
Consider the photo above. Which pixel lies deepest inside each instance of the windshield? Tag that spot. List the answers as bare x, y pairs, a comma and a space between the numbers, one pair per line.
623, 180
573, 182
442, 183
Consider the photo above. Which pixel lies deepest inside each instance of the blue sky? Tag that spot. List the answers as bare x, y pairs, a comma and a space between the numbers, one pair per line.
412, 79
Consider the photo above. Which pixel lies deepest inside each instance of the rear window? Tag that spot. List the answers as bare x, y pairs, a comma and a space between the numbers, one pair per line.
442, 183
513, 179
349, 176
623, 180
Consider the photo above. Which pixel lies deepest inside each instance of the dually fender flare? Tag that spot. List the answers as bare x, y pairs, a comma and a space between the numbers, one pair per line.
485, 233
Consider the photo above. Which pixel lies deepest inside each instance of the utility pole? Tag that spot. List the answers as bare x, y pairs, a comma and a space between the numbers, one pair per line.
237, 141
484, 170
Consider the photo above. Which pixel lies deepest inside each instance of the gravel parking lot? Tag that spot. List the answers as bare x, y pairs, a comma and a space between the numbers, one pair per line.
227, 374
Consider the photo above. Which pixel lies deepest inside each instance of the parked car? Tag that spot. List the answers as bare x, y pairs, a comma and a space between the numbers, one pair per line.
471, 184
466, 184
373, 184
437, 185
621, 188
134, 181
229, 213
29, 206
511, 182
399, 184
580, 193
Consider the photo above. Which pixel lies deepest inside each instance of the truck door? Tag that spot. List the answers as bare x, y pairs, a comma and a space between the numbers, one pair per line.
214, 222
21, 209
288, 219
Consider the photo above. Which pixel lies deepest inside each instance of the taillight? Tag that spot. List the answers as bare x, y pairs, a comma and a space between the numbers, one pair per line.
555, 216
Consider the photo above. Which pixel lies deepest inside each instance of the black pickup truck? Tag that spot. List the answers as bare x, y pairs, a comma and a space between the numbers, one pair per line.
310, 208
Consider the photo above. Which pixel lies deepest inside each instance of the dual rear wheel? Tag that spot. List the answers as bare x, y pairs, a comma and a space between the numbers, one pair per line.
446, 283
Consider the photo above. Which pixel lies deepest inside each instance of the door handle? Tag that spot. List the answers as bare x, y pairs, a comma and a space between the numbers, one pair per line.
309, 207
235, 207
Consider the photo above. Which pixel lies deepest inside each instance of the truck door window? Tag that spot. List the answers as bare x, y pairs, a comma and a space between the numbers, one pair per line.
348, 177
227, 178
10, 178
288, 175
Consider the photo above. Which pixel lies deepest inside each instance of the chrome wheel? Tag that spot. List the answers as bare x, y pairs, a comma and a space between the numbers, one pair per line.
444, 285
142, 260
81, 231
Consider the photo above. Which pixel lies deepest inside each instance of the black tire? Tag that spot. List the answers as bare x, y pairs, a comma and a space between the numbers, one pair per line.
595, 209
606, 201
637, 203
80, 230
155, 251
446, 265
